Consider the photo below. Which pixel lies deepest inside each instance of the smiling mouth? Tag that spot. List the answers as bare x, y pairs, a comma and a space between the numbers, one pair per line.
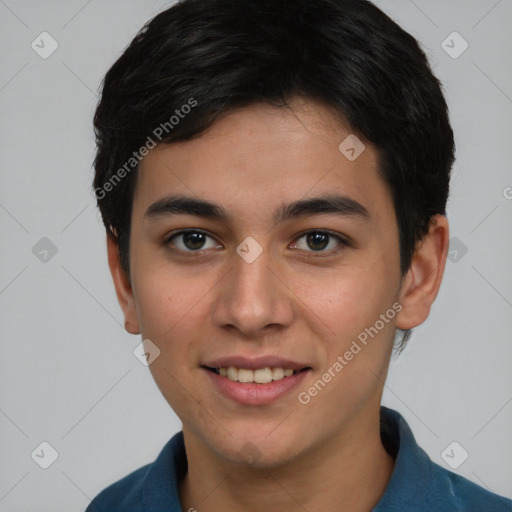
259, 376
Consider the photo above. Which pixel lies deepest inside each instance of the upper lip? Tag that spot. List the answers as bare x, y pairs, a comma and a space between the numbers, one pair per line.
254, 363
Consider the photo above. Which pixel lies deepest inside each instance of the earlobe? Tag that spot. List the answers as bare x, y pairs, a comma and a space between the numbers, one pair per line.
421, 284
123, 287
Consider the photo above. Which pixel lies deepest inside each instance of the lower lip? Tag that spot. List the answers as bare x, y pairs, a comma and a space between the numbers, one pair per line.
256, 394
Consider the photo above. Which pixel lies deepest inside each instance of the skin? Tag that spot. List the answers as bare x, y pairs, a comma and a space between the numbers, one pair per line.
292, 301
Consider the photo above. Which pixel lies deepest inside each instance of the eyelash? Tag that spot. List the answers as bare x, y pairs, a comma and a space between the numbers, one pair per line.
341, 241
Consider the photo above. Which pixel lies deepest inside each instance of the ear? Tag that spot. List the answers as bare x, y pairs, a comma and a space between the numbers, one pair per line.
423, 279
123, 287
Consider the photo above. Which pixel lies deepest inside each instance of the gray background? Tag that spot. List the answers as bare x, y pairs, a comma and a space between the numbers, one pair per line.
68, 375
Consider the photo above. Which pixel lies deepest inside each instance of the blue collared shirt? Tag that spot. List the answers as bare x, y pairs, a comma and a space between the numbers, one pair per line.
417, 484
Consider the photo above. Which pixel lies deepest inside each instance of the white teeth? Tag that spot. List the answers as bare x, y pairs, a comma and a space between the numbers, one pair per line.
263, 376
245, 375
277, 373
232, 373
260, 376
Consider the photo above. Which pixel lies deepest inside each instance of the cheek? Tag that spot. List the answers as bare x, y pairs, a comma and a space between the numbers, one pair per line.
356, 345
172, 311
170, 305
344, 301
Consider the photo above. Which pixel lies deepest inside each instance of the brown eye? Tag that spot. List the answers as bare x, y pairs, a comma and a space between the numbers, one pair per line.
318, 241
191, 241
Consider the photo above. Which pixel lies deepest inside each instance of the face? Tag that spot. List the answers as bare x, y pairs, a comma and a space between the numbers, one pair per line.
294, 257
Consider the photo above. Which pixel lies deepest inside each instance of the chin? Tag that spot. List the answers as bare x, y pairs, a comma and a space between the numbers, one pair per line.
260, 453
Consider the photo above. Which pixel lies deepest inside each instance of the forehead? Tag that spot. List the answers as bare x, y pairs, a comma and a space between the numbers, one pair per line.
256, 158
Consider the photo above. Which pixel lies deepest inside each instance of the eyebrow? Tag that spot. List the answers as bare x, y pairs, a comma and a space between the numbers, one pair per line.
325, 204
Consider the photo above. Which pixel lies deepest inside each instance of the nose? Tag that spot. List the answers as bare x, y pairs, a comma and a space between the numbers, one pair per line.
253, 298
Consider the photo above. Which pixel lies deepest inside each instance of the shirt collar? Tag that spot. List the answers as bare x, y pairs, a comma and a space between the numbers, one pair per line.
412, 474
161, 483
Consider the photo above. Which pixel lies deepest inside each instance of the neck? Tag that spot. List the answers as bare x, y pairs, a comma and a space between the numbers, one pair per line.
348, 472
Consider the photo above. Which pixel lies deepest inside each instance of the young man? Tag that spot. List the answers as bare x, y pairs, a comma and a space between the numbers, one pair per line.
273, 177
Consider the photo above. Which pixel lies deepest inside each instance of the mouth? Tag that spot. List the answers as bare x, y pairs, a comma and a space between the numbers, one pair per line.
259, 376
255, 381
